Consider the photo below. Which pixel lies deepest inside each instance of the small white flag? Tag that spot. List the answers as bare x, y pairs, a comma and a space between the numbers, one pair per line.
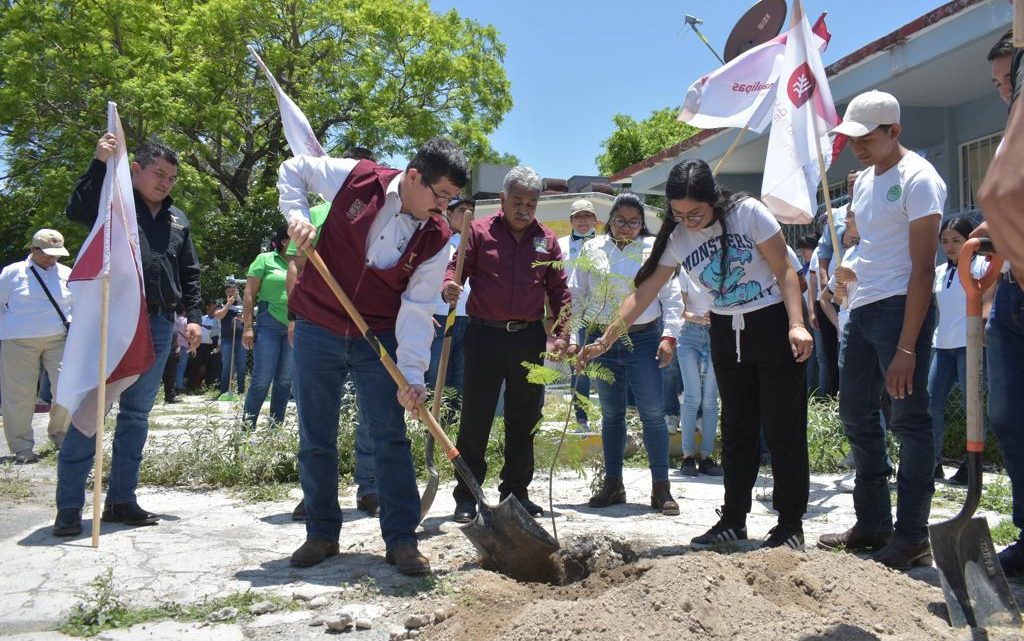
803, 115
741, 93
296, 127
111, 251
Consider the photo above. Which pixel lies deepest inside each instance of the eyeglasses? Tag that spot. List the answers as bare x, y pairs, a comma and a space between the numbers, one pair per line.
622, 222
441, 198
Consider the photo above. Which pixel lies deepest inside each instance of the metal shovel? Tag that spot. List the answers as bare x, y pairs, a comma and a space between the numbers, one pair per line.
508, 539
430, 491
973, 582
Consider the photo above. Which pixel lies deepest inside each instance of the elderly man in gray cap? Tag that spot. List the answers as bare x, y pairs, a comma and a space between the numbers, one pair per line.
583, 219
35, 310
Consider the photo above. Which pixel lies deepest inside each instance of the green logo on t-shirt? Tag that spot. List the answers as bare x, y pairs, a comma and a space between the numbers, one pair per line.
894, 193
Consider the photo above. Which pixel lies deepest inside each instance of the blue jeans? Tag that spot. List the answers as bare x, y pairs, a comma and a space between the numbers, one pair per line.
672, 386
456, 363
226, 354
271, 363
1005, 355
635, 368
580, 384
45, 389
182, 366
700, 389
869, 345
949, 366
77, 452
364, 475
327, 360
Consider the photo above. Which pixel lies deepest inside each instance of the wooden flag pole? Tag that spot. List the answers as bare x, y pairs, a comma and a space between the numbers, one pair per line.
728, 152
101, 406
837, 249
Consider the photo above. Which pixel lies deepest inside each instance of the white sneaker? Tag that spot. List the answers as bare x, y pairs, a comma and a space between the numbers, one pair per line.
672, 423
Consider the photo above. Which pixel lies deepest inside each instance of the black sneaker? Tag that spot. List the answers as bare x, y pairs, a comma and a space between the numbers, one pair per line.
532, 508
788, 536
940, 474
1012, 559
959, 478
720, 533
708, 467
689, 466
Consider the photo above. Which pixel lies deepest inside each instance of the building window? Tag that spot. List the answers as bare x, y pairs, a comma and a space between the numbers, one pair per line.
975, 157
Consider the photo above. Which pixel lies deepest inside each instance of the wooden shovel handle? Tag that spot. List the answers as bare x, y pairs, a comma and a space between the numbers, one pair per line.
435, 430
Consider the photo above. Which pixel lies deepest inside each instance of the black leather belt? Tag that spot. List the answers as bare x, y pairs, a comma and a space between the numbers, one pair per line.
508, 326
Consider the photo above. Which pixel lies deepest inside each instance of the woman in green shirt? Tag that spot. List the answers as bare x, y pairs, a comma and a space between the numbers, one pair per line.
272, 353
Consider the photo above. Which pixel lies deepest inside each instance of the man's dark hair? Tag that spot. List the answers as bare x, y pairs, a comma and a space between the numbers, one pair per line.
151, 150
439, 158
1004, 47
359, 153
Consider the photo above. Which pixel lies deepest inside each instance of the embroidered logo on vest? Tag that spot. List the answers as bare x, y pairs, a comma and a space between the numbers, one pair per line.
357, 208
409, 266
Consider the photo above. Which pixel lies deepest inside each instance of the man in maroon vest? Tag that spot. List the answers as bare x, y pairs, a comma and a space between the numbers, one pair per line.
386, 243
506, 314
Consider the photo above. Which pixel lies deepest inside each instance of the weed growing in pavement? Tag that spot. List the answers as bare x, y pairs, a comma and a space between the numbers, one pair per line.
12, 486
827, 445
997, 496
103, 609
1005, 532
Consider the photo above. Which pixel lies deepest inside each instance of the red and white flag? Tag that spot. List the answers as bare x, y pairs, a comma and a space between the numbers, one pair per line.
111, 251
741, 93
803, 115
296, 127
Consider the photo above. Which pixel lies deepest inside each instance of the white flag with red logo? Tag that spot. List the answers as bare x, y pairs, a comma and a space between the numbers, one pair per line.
741, 93
111, 251
803, 115
296, 127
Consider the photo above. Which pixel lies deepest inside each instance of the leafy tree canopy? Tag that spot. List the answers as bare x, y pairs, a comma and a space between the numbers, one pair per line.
633, 140
383, 74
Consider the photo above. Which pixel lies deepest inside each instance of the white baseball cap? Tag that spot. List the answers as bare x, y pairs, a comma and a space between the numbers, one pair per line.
50, 242
580, 206
867, 112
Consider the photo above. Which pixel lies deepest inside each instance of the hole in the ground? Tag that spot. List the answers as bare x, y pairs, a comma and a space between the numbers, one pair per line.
577, 559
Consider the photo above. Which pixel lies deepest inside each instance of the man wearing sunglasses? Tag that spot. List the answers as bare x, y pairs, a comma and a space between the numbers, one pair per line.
385, 241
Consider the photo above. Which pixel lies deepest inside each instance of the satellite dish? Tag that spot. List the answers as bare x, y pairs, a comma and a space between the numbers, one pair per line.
759, 24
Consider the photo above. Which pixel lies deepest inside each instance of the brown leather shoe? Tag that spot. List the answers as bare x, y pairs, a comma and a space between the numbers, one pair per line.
299, 513
312, 552
661, 498
612, 493
903, 554
407, 558
369, 504
855, 540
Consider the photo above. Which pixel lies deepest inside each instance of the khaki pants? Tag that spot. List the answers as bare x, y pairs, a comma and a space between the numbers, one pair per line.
20, 359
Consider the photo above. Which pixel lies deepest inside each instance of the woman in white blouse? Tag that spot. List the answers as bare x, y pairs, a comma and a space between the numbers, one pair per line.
949, 344
602, 278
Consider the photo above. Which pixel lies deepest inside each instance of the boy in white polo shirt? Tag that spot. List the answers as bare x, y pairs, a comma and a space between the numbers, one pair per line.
899, 204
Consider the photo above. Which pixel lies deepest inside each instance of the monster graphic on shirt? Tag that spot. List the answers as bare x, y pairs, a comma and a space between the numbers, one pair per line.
729, 291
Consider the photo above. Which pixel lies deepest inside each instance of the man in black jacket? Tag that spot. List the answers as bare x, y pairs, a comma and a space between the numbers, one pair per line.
171, 279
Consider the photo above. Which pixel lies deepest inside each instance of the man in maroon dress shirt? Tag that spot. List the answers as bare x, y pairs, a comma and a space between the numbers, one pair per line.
506, 314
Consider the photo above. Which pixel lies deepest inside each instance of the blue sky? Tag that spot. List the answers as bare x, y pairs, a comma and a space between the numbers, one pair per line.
573, 64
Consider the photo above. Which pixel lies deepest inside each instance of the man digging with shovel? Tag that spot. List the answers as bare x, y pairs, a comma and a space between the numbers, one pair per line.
385, 241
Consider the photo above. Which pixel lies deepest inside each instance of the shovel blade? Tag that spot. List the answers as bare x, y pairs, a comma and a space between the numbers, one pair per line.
973, 582
510, 541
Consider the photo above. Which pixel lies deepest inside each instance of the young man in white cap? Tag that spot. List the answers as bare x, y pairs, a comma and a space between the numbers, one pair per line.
35, 308
583, 219
899, 204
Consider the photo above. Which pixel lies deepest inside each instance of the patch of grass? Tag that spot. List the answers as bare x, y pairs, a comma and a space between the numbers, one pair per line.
12, 486
998, 496
103, 609
1005, 532
827, 445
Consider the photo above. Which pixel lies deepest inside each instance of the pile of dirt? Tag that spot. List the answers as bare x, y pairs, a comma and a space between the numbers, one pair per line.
777, 594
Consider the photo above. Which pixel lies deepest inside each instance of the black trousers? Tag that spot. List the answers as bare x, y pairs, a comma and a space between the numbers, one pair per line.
203, 368
493, 356
170, 376
829, 348
765, 388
